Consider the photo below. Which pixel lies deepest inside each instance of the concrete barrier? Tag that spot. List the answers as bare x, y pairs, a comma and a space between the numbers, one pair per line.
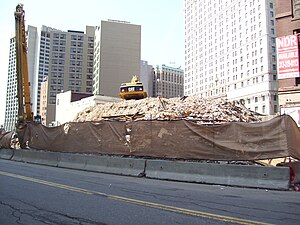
72, 161
18, 155
36, 157
208, 173
6, 153
222, 174
116, 165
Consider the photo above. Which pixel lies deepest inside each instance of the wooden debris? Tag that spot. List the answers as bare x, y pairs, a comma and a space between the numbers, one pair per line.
191, 108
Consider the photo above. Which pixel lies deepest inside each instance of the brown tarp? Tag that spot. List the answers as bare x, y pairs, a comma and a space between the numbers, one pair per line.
5, 139
279, 137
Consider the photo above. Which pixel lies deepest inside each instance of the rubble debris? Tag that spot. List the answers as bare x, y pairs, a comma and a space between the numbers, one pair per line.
203, 111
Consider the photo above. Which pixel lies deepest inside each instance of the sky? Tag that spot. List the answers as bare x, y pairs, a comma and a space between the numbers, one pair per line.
162, 25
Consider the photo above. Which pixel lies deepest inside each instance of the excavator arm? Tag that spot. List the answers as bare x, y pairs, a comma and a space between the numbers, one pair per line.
23, 90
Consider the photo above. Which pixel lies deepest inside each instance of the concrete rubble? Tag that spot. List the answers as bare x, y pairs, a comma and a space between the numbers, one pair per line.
203, 111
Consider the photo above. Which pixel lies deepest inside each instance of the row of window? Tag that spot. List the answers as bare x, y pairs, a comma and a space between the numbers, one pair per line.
175, 78
202, 86
73, 43
78, 37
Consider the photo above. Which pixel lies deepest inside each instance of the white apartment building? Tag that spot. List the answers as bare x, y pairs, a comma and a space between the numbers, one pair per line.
11, 110
230, 52
66, 59
117, 56
43, 62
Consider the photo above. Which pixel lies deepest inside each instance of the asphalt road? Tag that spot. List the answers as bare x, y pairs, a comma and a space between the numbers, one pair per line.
34, 194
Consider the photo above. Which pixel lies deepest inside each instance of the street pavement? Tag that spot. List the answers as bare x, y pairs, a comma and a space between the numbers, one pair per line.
35, 194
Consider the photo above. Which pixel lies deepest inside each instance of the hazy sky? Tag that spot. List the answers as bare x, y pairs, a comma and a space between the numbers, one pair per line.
161, 20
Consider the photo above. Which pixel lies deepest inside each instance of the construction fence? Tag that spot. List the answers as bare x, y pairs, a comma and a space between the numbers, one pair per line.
178, 139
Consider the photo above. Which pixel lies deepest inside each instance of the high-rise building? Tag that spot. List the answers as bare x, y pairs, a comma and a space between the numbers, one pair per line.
117, 56
11, 110
63, 59
66, 58
230, 52
146, 77
168, 82
43, 96
43, 62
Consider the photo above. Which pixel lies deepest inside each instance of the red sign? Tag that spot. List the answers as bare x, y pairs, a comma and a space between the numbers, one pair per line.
288, 56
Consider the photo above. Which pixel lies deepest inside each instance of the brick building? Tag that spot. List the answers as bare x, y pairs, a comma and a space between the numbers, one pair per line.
288, 23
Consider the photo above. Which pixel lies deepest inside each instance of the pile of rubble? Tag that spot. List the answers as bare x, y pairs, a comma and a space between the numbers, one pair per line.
189, 108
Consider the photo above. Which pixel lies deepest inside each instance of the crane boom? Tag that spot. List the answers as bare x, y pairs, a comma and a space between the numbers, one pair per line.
23, 90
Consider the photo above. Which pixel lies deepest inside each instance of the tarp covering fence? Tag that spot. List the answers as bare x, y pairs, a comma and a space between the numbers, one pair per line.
5, 139
181, 139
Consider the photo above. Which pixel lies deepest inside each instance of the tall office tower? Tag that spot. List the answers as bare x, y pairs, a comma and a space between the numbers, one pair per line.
66, 58
287, 27
43, 61
168, 81
146, 77
43, 96
117, 56
11, 110
230, 52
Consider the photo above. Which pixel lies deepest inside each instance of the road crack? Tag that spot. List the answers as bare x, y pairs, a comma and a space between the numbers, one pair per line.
23, 209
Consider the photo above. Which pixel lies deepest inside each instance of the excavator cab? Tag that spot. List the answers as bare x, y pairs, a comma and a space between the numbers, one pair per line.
133, 90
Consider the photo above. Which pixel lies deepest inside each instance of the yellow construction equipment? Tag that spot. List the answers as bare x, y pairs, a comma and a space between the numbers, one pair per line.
23, 91
133, 90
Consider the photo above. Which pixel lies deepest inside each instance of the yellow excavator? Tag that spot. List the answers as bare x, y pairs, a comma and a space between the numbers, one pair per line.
23, 85
133, 90
23, 91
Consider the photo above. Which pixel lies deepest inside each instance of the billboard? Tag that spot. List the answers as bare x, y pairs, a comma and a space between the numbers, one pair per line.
287, 56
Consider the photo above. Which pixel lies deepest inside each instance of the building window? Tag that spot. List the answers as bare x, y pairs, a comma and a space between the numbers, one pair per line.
256, 99
273, 58
275, 109
55, 42
272, 31
273, 49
